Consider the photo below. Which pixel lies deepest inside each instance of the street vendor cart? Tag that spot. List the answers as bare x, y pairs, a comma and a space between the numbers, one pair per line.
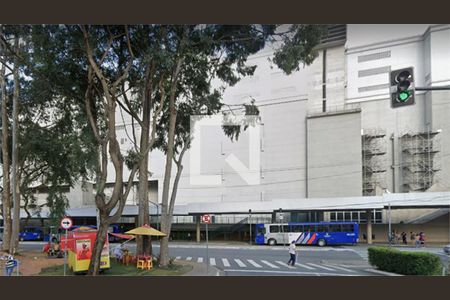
79, 249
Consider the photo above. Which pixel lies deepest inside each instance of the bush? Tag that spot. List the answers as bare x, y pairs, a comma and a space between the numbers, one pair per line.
403, 262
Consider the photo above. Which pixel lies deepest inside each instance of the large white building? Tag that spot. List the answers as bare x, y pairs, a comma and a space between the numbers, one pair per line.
328, 130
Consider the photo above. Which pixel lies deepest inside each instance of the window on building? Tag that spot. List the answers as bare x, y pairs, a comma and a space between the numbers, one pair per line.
333, 216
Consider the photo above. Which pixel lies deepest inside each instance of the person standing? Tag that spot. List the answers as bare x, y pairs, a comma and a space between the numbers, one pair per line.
292, 253
9, 265
417, 240
405, 241
412, 236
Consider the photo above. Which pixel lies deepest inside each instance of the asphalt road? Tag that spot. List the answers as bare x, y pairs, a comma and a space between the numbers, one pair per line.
246, 260
242, 260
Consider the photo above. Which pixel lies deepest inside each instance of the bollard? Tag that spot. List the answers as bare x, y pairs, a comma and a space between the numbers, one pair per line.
18, 264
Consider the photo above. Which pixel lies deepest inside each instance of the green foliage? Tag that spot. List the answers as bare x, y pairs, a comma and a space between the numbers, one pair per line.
132, 158
298, 47
403, 262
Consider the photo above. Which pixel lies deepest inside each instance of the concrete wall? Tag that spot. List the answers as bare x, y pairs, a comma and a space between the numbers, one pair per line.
334, 155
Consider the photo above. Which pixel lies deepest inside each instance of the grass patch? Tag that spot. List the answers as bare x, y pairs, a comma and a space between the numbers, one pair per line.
122, 270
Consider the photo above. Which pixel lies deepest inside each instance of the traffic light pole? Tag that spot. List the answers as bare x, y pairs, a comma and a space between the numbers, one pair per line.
434, 88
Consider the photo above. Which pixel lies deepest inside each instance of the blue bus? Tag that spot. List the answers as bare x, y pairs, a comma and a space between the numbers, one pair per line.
321, 233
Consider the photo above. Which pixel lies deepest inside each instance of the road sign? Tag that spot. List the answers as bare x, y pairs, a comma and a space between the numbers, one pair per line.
206, 219
66, 223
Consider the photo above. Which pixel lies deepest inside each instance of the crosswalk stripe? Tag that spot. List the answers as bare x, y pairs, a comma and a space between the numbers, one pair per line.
341, 268
188, 258
178, 257
322, 267
269, 264
212, 261
305, 266
284, 264
240, 263
225, 262
200, 259
251, 261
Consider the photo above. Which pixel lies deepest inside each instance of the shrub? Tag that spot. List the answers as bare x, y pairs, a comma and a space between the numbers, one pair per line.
403, 262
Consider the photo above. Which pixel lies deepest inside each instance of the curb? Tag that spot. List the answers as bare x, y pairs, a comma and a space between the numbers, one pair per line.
382, 272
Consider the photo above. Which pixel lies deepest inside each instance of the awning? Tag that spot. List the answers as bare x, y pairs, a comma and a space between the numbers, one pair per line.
122, 236
146, 230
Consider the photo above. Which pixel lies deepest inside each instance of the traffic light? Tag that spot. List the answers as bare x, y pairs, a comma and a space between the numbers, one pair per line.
402, 87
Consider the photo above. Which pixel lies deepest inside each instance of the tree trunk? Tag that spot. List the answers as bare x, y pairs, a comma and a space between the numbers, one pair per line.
102, 231
143, 244
6, 195
15, 184
165, 212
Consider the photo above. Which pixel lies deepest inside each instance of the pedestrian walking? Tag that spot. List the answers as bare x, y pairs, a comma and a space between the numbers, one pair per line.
292, 253
422, 238
412, 236
417, 241
405, 241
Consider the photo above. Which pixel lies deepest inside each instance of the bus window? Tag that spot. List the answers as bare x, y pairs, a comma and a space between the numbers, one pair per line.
322, 228
261, 230
347, 228
274, 229
310, 228
335, 228
286, 228
297, 228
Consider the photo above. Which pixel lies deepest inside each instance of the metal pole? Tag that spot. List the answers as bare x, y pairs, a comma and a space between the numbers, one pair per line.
207, 254
157, 217
65, 254
389, 220
250, 223
434, 88
430, 167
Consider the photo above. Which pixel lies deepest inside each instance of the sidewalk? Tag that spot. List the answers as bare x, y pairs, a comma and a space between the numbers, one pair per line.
200, 269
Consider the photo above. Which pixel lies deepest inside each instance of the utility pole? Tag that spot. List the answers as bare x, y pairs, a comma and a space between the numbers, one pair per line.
250, 222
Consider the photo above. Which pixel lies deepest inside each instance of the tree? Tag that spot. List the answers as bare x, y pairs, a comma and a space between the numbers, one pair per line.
54, 144
218, 51
6, 196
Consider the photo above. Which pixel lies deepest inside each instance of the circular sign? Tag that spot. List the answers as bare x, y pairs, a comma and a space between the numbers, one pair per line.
206, 219
66, 223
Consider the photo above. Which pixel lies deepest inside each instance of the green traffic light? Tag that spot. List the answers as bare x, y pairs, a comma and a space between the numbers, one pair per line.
403, 96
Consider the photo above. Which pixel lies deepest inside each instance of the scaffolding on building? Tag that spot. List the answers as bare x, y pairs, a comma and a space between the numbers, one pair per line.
373, 160
419, 160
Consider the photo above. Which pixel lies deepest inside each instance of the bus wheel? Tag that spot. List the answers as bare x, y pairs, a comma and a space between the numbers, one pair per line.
272, 242
321, 243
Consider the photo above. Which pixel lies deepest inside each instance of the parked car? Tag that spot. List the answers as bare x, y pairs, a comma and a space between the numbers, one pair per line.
447, 249
31, 233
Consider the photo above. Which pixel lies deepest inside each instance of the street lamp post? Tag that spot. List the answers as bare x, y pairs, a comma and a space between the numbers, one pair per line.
157, 214
250, 222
